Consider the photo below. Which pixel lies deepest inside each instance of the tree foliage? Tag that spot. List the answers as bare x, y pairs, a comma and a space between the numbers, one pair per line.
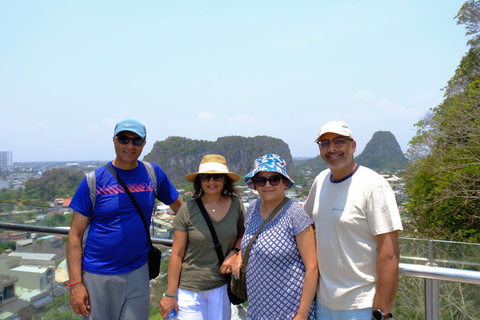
8, 245
179, 156
383, 152
55, 183
469, 16
443, 181
443, 184
57, 220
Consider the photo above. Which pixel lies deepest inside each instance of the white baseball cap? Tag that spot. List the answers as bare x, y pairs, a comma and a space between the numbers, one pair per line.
338, 127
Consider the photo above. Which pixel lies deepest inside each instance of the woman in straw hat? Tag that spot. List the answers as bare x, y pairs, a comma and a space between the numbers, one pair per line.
197, 286
282, 271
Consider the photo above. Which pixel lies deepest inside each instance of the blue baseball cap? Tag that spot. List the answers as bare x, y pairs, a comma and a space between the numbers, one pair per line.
132, 126
270, 163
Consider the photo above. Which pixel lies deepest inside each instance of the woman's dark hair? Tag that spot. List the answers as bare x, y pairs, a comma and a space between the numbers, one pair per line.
228, 188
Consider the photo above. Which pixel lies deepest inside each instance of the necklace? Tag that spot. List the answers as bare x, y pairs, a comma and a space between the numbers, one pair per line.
213, 210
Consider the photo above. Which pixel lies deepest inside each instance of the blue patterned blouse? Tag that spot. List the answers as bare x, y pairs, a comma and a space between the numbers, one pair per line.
275, 270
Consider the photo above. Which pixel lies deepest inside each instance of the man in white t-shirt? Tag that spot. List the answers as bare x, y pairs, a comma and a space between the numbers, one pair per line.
357, 222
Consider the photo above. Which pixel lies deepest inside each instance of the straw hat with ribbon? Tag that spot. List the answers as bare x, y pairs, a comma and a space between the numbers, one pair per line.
213, 163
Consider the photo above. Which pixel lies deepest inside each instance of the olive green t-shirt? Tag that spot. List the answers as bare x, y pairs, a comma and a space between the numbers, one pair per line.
200, 266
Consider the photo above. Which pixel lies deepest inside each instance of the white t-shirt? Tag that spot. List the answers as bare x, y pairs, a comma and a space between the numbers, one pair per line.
348, 213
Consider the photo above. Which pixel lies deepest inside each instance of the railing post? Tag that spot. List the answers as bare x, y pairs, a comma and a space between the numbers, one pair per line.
432, 296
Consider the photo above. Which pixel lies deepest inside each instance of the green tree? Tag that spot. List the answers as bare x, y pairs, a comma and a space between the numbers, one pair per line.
469, 16
57, 220
9, 245
443, 181
55, 183
444, 185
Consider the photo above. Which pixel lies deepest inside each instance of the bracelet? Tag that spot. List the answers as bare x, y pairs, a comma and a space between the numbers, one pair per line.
71, 284
236, 250
170, 295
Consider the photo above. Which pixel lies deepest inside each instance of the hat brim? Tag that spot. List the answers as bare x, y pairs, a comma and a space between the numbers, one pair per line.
138, 133
192, 176
339, 132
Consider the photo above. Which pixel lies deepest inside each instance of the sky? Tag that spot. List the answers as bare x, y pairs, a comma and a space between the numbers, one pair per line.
70, 70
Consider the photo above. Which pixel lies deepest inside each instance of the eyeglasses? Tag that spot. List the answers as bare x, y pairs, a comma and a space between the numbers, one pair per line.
262, 181
338, 142
207, 176
137, 141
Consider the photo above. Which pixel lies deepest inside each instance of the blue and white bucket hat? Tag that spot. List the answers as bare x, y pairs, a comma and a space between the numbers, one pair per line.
270, 163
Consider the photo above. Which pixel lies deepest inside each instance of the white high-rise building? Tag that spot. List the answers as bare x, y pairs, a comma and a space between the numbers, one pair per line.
6, 159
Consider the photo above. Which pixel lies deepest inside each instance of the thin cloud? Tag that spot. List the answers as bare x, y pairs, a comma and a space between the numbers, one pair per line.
364, 95
241, 118
205, 116
384, 105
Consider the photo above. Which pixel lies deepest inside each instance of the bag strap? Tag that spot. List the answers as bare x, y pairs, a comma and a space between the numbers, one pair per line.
270, 217
216, 244
151, 173
132, 198
91, 182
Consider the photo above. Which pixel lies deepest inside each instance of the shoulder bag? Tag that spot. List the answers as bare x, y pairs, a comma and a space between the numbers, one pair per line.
239, 286
154, 254
218, 249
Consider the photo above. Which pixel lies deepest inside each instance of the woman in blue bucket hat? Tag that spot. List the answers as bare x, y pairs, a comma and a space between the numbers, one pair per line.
282, 272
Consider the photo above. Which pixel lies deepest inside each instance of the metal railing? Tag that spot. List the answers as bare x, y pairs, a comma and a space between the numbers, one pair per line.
431, 273
64, 231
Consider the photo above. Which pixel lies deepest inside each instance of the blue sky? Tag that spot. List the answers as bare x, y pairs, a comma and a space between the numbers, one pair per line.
207, 69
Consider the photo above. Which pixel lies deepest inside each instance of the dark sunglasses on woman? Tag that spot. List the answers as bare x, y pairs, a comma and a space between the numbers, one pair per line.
137, 141
207, 176
262, 181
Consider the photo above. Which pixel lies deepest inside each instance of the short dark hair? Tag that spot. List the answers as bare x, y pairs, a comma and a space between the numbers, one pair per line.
228, 188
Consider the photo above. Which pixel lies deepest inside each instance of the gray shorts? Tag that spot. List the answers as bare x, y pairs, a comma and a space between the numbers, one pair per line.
118, 297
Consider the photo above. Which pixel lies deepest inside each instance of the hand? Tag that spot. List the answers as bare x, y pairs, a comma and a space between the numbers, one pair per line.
229, 264
166, 305
79, 299
299, 317
232, 264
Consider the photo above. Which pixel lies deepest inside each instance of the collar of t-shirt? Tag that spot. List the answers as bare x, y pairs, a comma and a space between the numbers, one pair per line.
346, 177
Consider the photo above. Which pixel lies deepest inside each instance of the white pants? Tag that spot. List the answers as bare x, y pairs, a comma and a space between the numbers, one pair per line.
208, 305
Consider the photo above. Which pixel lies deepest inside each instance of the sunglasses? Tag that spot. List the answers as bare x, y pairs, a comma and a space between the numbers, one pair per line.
137, 141
338, 142
207, 176
262, 181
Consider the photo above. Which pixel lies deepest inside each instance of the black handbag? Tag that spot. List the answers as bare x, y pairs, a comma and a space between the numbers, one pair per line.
154, 254
218, 249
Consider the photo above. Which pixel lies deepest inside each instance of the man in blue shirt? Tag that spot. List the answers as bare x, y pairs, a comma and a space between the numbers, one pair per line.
109, 279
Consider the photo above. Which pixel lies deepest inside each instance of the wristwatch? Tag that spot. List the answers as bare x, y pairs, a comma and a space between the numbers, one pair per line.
236, 250
377, 314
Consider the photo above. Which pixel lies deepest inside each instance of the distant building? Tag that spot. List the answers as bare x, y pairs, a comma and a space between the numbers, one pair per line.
7, 289
38, 274
6, 159
7, 184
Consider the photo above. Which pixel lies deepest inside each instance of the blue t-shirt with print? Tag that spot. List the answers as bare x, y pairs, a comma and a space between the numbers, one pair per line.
117, 242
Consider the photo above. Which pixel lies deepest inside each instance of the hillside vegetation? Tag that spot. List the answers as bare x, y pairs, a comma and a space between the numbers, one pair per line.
55, 183
179, 156
443, 182
383, 152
